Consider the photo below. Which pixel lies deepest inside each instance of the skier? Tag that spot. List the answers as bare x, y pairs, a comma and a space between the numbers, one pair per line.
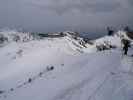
126, 45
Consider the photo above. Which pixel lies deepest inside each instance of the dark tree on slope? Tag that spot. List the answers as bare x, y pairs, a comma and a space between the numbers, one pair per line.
110, 31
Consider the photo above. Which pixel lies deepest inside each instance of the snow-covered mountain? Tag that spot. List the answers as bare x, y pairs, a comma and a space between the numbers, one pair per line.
14, 36
64, 68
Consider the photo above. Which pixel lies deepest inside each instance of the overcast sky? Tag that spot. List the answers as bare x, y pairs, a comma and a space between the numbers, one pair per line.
60, 15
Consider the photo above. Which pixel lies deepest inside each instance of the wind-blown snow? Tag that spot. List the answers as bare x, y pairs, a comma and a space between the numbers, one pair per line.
63, 69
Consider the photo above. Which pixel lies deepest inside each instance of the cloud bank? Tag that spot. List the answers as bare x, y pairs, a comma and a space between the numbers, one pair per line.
61, 15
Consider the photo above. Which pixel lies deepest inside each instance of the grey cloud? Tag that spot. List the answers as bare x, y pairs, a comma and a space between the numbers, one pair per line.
92, 6
58, 15
130, 2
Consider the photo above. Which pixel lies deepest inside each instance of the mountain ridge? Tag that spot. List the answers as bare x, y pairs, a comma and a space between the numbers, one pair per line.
65, 68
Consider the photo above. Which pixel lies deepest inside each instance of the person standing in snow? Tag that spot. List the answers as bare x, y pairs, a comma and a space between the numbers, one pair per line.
126, 45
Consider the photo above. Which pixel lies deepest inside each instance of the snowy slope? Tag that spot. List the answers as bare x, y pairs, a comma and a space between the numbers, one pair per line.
62, 69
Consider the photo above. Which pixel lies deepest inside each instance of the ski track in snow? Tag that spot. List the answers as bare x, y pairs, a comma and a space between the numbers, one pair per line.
78, 73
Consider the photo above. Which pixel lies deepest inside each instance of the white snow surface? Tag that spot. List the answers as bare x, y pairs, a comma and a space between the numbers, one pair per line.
78, 73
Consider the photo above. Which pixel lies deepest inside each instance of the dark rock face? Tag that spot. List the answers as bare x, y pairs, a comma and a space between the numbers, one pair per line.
3, 39
130, 35
29, 80
49, 68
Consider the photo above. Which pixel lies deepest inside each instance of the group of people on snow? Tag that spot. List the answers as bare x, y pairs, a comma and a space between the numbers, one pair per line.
125, 42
